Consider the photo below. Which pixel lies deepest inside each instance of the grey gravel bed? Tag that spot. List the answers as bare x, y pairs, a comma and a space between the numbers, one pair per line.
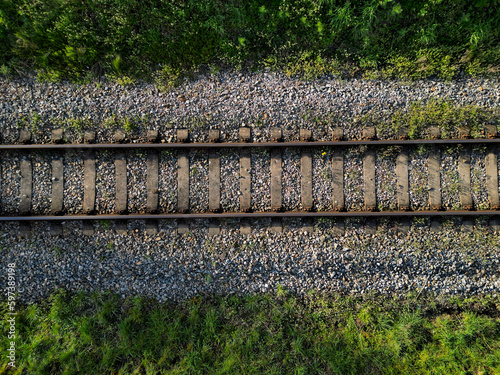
136, 181
290, 179
42, 180
227, 101
170, 267
73, 182
478, 178
386, 181
198, 180
105, 182
450, 180
418, 175
322, 179
353, 179
261, 176
230, 180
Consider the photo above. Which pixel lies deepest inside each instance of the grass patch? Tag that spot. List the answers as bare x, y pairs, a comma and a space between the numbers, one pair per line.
166, 41
281, 333
447, 116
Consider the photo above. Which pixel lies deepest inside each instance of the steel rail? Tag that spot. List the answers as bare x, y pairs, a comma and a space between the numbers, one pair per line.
122, 146
247, 215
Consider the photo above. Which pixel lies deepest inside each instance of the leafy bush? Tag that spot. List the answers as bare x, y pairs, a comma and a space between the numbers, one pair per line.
136, 38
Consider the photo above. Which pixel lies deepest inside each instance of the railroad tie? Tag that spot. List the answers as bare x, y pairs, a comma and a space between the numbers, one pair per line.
182, 181
89, 189
338, 228
245, 168
152, 190
24, 136
214, 182
57, 193
121, 227
245, 180
213, 227
306, 172
491, 164
402, 180
306, 183
24, 229
495, 224
276, 186
402, 225
435, 224
308, 224
56, 228
88, 228
464, 175
490, 131
245, 227
371, 226
369, 180
182, 226
467, 225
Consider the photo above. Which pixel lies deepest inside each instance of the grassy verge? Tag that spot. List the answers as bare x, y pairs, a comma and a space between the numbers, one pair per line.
167, 40
100, 334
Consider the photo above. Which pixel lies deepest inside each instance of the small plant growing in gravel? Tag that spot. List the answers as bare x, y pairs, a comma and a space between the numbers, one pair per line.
57, 250
128, 124
21, 123
36, 120
77, 124
105, 224
168, 78
483, 206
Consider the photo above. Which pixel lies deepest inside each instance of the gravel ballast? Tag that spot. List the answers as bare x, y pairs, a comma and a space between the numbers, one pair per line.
170, 266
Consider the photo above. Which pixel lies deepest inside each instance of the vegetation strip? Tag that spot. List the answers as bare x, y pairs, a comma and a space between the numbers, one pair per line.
166, 42
269, 333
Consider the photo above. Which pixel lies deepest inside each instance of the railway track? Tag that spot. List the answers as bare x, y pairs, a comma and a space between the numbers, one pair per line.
153, 212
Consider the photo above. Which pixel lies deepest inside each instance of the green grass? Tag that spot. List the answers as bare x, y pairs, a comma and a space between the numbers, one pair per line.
443, 114
168, 41
281, 333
